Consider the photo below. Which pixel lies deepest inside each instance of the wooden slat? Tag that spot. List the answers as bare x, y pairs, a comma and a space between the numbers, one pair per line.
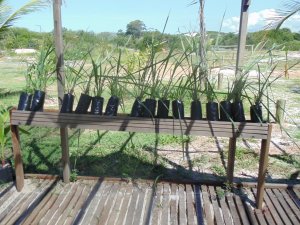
241, 210
140, 206
213, 197
278, 207
291, 203
174, 205
259, 216
225, 210
272, 210
233, 209
125, 203
95, 216
103, 217
207, 206
64, 204
157, 205
132, 206
207, 128
286, 207
264, 212
294, 196
149, 199
190, 204
165, 204
248, 209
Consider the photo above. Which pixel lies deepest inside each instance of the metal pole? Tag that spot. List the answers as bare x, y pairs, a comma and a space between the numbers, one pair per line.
60, 85
242, 34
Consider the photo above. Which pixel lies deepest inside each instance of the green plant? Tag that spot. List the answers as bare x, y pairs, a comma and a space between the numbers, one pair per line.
74, 74
218, 170
4, 130
210, 91
40, 71
180, 88
74, 175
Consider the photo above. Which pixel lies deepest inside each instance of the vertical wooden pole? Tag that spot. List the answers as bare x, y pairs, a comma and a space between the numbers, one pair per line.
242, 33
15, 139
231, 159
60, 85
220, 81
263, 165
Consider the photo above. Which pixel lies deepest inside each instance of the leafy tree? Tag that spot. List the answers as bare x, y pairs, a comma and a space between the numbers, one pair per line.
8, 17
135, 28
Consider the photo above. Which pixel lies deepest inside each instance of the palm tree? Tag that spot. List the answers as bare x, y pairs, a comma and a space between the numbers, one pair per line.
8, 16
292, 7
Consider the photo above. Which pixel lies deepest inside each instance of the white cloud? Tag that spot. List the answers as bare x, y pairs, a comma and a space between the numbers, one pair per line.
259, 20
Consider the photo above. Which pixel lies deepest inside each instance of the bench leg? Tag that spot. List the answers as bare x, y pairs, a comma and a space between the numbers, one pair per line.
17, 157
262, 171
231, 159
65, 154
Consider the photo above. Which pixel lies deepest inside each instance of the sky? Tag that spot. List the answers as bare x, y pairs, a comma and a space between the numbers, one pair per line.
113, 15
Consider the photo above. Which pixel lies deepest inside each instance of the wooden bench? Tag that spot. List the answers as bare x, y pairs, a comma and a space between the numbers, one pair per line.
150, 125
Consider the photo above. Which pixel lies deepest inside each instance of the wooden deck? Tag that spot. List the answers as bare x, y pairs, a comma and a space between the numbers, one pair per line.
110, 202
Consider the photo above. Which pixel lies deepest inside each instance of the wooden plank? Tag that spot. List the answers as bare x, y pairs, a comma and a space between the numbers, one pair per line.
21, 212
36, 216
13, 204
124, 205
149, 202
140, 206
62, 190
117, 206
66, 212
95, 217
56, 116
278, 207
264, 212
249, 210
294, 197
151, 129
19, 171
109, 203
157, 205
272, 210
291, 203
231, 159
241, 210
233, 209
286, 207
64, 204
260, 218
207, 206
190, 204
174, 205
80, 203
225, 210
165, 216
297, 192
262, 171
198, 204
132, 206
215, 204
182, 205
6, 194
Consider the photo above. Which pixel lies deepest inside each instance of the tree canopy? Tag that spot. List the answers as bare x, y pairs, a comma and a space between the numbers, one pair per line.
135, 28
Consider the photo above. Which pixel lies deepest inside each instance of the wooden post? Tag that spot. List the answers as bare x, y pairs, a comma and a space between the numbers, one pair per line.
231, 159
262, 171
60, 85
242, 33
280, 108
15, 139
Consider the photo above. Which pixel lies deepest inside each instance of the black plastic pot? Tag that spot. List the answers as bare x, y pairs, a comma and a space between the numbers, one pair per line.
212, 111
112, 106
225, 111
97, 105
83, 104
67, 103
150, 107
256, 113
163, 108
178, 109
196, 110
238, 114
37, 103
25, 101
137, 108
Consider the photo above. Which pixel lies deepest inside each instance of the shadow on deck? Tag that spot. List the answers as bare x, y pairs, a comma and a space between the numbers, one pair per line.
115, 201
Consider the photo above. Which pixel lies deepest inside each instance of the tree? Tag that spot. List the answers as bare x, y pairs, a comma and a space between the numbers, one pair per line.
8, 17
135, 28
